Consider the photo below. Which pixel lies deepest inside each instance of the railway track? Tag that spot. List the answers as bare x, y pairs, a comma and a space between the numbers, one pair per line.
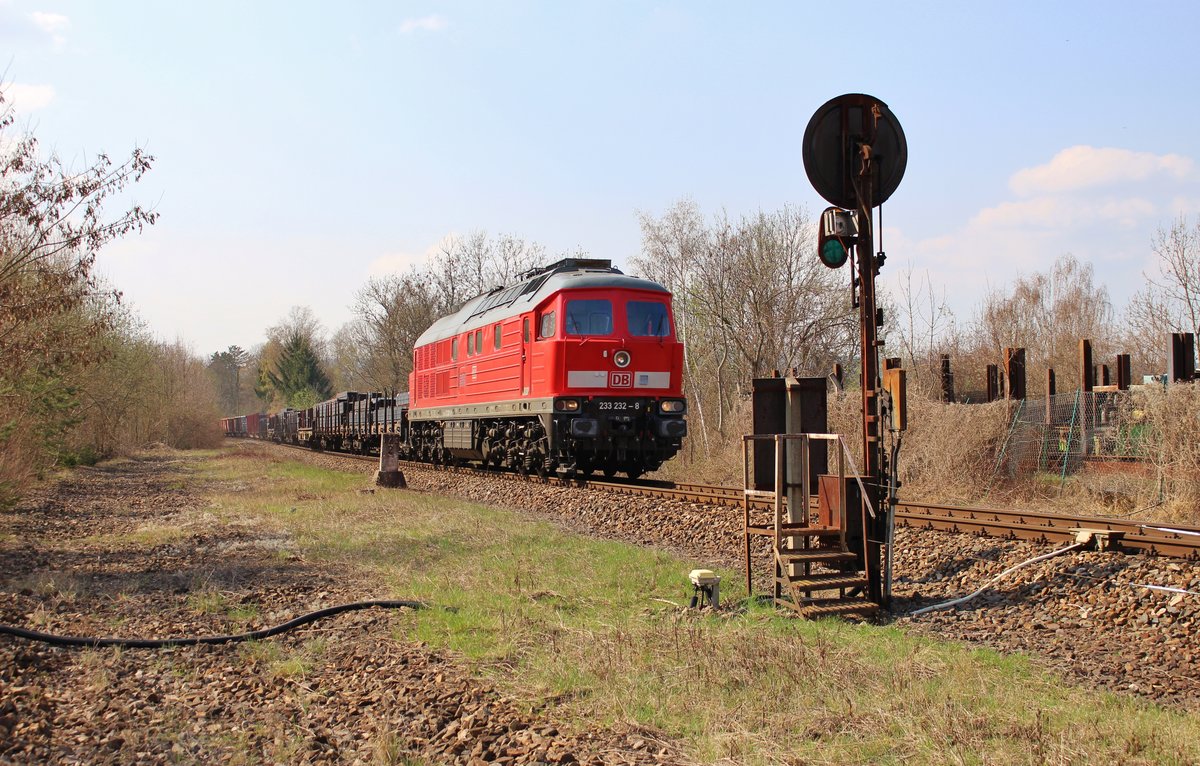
1170, 540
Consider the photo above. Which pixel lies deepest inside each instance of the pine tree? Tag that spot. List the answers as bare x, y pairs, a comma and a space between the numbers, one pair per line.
297, 378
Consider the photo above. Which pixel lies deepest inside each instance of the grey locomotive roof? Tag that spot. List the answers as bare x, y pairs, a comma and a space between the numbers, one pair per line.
532, 289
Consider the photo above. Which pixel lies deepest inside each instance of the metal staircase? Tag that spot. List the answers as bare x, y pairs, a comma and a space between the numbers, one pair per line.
816, 571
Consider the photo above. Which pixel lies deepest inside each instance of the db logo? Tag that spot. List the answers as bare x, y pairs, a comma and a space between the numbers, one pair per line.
620, 379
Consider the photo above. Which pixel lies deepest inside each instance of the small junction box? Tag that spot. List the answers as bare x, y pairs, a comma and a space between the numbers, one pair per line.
707, 588
1099, 539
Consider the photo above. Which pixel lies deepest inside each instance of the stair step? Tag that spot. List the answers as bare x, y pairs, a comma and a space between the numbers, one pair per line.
792, 530
831, 607
826, 581
815, 555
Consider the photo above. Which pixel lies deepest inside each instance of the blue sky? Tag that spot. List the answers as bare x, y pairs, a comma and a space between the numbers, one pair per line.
303, 147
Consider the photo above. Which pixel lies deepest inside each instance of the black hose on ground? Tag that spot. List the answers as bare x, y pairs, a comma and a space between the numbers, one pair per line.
162, 643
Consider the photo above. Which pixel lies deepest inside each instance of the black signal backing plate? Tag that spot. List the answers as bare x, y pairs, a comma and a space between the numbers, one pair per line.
832, 156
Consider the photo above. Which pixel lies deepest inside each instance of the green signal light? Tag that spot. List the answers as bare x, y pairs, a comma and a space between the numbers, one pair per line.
833, 253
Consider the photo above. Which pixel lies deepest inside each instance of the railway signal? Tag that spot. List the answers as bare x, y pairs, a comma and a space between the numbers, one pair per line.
855, 155
837, 233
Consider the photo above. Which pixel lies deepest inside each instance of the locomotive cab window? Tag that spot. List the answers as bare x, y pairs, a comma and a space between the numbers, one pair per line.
589, 317
547, 328
647, 319
525, 329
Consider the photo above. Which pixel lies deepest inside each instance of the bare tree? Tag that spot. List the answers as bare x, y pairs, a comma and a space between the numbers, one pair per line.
671, 249
54, 311
390, 314
924, 328
1047, 313
470, 265
750, 296
1170, 300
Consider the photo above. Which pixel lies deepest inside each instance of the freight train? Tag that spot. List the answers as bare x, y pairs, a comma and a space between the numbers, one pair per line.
574, 368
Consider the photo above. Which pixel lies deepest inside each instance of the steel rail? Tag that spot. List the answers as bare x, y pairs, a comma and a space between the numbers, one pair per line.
1172, 540
1165, 539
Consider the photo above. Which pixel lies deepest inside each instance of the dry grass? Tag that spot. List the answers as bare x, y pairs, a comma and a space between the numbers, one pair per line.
949, 455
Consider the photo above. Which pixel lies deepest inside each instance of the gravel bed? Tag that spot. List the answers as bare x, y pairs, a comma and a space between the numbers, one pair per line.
357, 695
1083, 613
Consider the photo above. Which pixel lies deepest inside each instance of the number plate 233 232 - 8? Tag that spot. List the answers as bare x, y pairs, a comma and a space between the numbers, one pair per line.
619, 405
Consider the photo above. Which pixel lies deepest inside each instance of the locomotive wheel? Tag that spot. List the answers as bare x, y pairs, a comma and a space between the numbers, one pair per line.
609, 471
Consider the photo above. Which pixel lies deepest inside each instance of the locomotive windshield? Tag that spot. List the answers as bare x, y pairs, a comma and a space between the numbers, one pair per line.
589, 317
648, 319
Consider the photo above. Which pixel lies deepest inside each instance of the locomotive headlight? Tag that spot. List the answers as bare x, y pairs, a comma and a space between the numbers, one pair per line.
672, 405
566, 405
621, 358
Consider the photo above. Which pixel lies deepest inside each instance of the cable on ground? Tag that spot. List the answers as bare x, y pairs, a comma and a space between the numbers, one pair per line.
988, 584
162, 643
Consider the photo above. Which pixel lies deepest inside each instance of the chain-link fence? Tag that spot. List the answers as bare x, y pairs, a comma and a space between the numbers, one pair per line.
1049, 439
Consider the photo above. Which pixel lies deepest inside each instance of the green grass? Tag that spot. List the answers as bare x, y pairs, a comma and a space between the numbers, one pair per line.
271, 658
580, 625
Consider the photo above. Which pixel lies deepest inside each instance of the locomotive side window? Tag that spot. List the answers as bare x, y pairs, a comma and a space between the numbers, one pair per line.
647, 319
589, 317
547, 328
479, 341
525, 329
470, 344
454, 350
496, 340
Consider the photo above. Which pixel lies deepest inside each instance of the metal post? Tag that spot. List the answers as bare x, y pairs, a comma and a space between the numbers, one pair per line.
1014, 371
780, 468
1123, 374
1070, 435
947, 380
746, 511
872, 443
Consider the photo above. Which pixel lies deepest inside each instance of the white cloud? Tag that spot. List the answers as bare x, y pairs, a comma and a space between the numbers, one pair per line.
53, 24
433, 23
1064, 212
1101, 205
27, 98
1084, 167
393, 263
1189, 206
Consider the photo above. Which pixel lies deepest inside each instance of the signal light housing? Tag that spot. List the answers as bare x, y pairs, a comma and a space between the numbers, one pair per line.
835, 233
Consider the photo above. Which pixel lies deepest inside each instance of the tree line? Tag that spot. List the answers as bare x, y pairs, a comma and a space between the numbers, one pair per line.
80, 376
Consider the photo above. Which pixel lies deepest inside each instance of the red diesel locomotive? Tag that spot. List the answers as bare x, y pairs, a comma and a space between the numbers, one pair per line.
575, 368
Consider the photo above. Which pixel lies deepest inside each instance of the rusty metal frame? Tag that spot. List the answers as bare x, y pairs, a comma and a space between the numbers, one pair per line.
778, 495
